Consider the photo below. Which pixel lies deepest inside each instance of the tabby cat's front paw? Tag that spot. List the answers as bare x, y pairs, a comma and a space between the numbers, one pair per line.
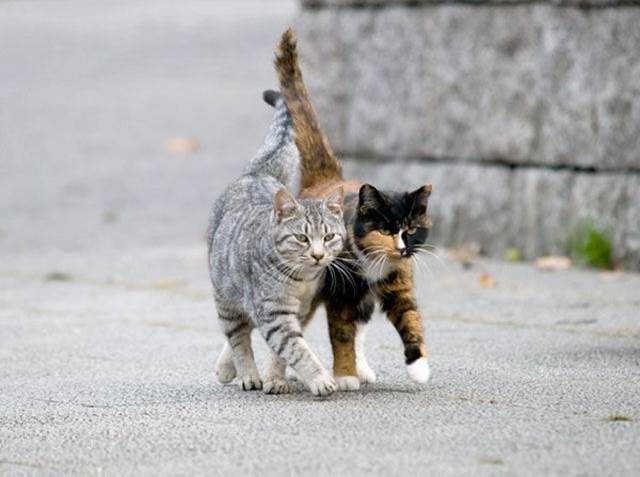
347, 383
322, 385
250, 383
275, 386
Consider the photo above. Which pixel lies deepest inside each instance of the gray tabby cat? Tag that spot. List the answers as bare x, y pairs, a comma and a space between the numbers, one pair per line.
268, 254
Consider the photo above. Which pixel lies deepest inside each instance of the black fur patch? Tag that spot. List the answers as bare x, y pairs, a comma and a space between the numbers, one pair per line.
337, 287
271, 97
411, 354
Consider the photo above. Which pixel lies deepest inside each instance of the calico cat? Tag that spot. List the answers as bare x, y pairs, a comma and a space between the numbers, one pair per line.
385, 230
268, 253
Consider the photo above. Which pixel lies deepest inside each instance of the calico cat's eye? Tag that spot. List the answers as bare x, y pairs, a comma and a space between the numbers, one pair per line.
412, 230
301, 238
385, 232
329, 237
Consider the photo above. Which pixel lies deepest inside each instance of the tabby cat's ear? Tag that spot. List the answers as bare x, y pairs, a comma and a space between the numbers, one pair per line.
369, 198
284, 205
335, 200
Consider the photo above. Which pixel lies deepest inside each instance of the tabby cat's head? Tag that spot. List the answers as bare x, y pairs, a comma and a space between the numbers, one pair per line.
309, 232
395, 224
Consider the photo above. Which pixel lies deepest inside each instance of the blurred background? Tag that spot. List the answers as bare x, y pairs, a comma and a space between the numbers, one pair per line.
121, 121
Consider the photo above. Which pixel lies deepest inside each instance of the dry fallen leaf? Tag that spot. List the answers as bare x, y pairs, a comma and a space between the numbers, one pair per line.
553, 263
181, 145
487, 281
109, 217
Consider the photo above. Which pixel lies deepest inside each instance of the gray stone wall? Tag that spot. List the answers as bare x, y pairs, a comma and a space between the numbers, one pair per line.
526, 116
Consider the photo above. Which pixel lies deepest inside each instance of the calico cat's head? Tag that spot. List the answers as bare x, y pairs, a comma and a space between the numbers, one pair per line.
309, 232
393, 223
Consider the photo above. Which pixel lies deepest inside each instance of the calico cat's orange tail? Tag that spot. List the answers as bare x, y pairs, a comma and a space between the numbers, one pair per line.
317, 161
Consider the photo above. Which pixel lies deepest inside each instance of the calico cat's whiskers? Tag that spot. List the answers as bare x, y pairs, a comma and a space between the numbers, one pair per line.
425, 250
373, 251
422, 265
379, 264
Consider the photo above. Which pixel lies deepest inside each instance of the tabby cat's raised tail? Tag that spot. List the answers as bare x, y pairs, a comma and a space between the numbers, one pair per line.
318, 164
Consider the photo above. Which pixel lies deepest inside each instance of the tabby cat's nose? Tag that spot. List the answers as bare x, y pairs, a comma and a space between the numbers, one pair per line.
317, 255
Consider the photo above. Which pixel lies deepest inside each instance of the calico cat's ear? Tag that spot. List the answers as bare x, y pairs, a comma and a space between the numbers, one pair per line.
335, 200
369, 198
422, 193
420, 197
284, 205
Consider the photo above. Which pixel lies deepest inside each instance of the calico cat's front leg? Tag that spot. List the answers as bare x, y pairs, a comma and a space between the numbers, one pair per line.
347, 322
399, 302
342, 333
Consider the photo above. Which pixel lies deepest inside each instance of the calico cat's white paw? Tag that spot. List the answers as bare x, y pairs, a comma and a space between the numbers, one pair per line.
250, 383
225, 372
322, 385
419, 370
275, 386
347, 383
365, 373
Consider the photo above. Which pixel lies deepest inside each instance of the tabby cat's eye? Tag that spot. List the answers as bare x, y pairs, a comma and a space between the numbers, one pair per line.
385, 232
329, 237
301, 238
412, 230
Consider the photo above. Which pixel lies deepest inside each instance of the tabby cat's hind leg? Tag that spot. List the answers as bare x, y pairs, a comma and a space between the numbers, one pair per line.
225, 369
238, 332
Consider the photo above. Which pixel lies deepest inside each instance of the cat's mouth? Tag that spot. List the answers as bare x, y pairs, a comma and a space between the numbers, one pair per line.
400, 255
318, 263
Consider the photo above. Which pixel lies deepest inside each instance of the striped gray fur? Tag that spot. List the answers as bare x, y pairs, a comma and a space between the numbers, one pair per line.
268, 253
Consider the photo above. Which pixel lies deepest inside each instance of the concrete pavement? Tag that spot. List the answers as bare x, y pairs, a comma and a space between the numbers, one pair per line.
107, 326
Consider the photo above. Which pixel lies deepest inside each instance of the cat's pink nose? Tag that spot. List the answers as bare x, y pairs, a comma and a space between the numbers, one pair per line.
317, 255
